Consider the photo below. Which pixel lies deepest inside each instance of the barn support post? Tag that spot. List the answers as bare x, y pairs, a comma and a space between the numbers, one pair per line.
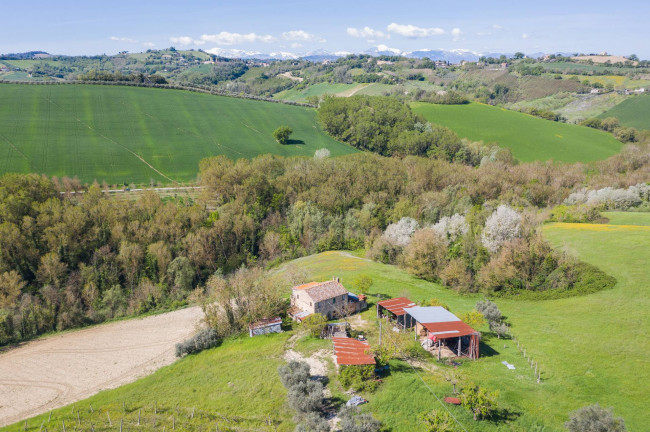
459, 339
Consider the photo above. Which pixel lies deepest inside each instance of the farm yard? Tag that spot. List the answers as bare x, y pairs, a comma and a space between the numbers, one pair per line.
529, 138
633, 112
125, 135
54, 371
569, 339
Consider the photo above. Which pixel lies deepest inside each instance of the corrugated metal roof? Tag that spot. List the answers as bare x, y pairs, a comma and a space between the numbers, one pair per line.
350, 351
397, 305
450, 329
431, 314
265, 322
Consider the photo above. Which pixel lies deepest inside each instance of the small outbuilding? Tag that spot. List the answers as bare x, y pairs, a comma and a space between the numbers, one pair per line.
350, 351
438, 328
265, 326
394, 309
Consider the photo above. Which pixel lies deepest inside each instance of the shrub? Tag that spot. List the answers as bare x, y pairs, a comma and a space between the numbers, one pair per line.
204, 339
626, 134
426, 254
306, 397
352, 421
358, 377
473, 319
315, 324
593, 418
312, 422
489, 310
321, 154
478, 401
293, 373
438, 421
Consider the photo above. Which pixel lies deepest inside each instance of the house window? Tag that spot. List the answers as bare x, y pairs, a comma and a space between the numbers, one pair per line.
334, 300
310, 304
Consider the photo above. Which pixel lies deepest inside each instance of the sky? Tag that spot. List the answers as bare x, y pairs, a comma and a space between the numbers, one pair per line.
497, 26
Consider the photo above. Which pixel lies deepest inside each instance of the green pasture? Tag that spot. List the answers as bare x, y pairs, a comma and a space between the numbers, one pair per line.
634, 112
136, 135
319, 89
233, 387
587, 68
529, 138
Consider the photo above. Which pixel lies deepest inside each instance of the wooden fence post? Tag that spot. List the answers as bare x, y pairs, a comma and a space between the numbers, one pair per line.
139, 411
110, 423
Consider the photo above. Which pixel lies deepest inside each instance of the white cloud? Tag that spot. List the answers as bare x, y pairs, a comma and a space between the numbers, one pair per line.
301, 35
525, 36
185, 40
296, 45
413, 32
367, 33
227, 38
122, 39
383, 47
456, 33
497, 27
148, 44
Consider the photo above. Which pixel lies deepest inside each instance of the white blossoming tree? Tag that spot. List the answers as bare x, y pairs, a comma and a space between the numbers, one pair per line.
452, 228
321, 154
503, 225
399, 234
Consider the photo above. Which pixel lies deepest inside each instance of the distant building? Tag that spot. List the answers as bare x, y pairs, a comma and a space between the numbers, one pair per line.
441, 64
329, 299
265, 326
166, 57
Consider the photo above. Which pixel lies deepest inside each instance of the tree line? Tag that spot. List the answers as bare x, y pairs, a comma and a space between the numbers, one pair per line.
67, 260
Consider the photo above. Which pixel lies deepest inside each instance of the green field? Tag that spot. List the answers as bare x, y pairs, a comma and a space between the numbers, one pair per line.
633, 112
135, 135
320, 89
529, 138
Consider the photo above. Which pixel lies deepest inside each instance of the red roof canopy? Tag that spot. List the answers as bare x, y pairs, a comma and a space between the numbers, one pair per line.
397, 305
444, 330
350, 351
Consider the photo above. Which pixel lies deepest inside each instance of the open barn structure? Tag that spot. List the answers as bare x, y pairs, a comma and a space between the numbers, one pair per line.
438, 329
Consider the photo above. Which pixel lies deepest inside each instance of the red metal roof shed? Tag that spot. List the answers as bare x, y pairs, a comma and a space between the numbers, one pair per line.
350, 351
396, 305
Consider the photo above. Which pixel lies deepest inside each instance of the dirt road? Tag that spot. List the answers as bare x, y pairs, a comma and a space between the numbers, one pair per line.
55, 371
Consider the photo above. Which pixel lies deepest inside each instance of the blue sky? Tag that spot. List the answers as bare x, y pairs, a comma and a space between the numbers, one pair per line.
75, 27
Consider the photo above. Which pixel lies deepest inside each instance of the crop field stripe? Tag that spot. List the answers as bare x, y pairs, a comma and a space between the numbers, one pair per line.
111, 132
632, 112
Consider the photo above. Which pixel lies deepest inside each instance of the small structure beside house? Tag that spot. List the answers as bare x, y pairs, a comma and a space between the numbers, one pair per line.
350, 351
265, 326
394, 309
438, 328
329, 298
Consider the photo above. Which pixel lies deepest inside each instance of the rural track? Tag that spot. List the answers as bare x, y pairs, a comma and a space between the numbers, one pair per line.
64, 368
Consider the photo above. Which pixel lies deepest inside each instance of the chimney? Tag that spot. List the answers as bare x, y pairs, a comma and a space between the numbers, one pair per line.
337, 279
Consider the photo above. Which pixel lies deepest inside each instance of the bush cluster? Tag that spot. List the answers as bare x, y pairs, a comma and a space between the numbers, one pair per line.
305, 395
358, 377
204, 339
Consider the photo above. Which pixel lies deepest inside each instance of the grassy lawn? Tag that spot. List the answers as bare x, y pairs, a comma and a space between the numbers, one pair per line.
530, 138
234, 386
133, 135
634, 112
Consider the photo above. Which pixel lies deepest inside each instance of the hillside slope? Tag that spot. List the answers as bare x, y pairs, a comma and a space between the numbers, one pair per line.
633, 112
129, 134
530, 138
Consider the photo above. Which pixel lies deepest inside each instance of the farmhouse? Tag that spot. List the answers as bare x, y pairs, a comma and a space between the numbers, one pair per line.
265, 326
350, 351
329, 298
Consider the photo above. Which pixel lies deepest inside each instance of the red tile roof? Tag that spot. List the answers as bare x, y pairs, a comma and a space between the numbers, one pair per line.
350, 351
397, 305
319, 291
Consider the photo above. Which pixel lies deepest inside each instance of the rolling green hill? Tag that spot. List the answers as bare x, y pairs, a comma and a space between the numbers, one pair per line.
633, 112
135, 135
530, 138
590, 349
